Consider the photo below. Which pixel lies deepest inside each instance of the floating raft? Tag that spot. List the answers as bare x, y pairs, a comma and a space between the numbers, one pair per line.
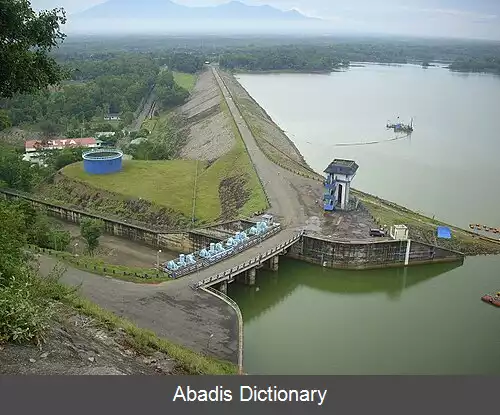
493, 300
484, 228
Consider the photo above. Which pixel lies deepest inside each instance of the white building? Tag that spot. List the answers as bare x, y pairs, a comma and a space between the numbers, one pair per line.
340, 174
33, 148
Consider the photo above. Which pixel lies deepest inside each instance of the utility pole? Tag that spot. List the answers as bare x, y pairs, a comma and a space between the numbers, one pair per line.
158, 259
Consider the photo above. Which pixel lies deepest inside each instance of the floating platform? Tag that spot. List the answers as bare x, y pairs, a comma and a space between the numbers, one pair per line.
484, 228
493, 300
400, 127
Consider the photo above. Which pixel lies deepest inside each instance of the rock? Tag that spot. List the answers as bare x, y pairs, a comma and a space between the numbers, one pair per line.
92, 359
32, 360
44, 355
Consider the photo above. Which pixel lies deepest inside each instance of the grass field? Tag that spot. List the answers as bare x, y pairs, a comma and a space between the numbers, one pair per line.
171, 183
166, 183
186, 80
156, 123
424, 228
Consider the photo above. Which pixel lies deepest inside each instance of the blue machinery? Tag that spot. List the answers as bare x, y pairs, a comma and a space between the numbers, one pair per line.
216, 251
329, 195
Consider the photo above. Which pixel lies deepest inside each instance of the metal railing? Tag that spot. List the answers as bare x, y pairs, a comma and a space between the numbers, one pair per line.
204, 263
239, 316
254, 261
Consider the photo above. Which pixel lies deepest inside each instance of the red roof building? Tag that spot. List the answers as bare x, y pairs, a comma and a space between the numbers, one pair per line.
58, 144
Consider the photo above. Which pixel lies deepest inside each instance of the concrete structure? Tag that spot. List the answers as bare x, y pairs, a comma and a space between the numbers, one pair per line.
370, 254
102, 161
34, 148
338, 184
399, 232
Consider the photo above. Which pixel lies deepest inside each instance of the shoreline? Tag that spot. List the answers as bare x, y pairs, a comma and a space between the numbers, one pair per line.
382, 210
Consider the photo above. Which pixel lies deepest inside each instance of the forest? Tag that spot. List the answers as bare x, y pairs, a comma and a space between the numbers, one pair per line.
98, 85
300, 53
467, 56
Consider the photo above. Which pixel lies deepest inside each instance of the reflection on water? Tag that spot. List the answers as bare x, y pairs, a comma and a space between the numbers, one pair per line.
306, 319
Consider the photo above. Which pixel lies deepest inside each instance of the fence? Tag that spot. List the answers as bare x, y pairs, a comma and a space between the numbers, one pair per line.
256, 260
105, 269
236, 308
204, 263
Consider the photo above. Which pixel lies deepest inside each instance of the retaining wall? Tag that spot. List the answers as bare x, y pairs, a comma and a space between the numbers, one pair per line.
176, 241
366, 255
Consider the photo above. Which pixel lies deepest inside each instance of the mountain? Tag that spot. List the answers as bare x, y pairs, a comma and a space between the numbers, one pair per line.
166, 9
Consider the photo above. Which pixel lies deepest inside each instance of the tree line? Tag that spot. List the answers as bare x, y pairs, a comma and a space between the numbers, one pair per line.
465, 56
98, 86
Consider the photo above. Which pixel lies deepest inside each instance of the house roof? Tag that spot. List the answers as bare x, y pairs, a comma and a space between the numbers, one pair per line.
341, 166
60, 143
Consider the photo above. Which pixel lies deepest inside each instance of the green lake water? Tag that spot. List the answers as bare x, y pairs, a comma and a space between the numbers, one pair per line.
305, 319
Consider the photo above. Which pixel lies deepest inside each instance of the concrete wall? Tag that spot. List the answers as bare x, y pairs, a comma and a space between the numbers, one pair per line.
182, 242
365, 255
362, 255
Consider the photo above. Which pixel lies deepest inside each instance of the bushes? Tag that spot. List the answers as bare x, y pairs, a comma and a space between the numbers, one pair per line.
27, 306
26, 301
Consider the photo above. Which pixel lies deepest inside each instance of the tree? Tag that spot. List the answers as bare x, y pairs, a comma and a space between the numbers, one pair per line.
128, 117
12, 239
14, 171
49, 129
91, 230
5, 121
26, 38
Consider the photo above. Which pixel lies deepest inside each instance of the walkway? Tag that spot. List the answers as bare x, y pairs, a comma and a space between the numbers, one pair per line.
172, 309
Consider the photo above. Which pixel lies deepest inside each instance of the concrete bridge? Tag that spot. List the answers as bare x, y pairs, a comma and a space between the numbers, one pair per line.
248, 268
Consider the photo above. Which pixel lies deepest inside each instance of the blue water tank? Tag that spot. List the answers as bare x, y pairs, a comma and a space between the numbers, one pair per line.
102, 161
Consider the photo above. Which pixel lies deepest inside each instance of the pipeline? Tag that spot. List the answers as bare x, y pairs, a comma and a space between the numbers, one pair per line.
372, 142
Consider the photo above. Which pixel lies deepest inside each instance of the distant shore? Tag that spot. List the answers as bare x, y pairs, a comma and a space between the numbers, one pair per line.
384, 212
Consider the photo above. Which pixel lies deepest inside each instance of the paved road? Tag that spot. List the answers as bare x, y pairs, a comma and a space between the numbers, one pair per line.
283, 198
172, 309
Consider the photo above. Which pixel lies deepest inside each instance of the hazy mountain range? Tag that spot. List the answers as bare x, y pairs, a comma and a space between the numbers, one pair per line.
165, 9
428, 18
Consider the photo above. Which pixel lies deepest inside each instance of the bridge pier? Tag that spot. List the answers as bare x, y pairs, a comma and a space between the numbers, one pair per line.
223, 287
250, 276
247, 277
273, 263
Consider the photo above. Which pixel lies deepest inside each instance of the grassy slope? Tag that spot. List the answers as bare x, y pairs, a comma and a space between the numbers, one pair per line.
423, 228
272, 141
171, 183
185, 80
235, 163
193, 363
166, 183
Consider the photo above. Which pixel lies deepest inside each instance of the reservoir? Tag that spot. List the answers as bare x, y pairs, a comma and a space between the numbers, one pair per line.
424, 320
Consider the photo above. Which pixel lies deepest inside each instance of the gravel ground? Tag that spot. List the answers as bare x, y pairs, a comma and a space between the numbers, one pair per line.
78, 345
210, 134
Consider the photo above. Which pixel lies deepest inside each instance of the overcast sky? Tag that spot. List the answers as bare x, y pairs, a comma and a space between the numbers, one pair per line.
455, 18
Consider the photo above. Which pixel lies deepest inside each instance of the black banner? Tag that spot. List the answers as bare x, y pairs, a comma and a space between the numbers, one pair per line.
148, 395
